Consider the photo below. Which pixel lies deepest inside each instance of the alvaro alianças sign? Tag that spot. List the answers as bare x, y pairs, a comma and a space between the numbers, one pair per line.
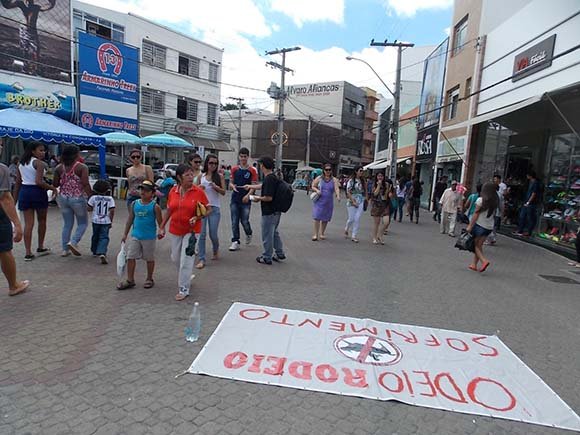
434, 368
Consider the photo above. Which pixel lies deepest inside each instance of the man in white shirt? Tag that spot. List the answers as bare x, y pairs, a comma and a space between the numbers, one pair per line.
502, 187
450, 204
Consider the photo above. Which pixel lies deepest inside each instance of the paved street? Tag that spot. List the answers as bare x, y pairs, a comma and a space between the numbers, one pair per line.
78, 356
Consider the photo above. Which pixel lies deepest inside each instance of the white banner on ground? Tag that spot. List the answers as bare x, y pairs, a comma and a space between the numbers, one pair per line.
435, 368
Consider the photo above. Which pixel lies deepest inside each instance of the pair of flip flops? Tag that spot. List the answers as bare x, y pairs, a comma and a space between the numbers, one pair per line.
126, 284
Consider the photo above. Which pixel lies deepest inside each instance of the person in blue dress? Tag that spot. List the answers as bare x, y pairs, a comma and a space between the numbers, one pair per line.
327, 187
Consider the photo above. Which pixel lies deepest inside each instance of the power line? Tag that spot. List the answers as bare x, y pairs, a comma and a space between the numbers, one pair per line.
140, 62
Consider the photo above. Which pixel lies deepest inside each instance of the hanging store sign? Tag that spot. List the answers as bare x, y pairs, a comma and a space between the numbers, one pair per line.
186, 128
108, 85
426, 144
534, 59
434, 368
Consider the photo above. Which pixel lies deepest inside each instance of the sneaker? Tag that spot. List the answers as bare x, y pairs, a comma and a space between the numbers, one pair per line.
65, 253
263, 260
42, 251
277, 258
74, 249
29, 257
517, 233
248, 239
235, 246
103, 259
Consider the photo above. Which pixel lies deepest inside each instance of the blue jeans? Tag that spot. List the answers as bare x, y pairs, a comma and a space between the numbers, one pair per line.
240, 214
71, 208
100, 239
527, 221
213, 221
271, 240
399, 209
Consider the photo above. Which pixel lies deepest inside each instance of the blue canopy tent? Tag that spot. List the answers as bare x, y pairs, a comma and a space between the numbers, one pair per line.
44, 127
121, 138
165, 141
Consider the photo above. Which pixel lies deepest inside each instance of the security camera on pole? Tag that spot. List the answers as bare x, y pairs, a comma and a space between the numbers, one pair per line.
280, 95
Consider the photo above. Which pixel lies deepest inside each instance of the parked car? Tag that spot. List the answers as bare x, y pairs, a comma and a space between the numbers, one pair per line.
160, 173
112, 163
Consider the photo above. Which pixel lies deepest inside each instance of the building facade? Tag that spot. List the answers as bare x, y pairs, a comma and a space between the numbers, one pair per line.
369, 134
339, 105
527, 118
179, 76
461, 79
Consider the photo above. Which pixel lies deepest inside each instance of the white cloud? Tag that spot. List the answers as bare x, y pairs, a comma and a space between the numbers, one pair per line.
447, 30
303, 11
408, 8
243, 64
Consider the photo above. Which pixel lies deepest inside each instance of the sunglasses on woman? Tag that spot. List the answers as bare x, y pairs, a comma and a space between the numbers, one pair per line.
197, 162
135, 157
212, 163
327, 169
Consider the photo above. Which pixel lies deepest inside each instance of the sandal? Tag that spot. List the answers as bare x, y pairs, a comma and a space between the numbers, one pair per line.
484, 266
126, 284
200, 265
149, 283
322, 237
314, 239
23, 287
472, 267
181, 296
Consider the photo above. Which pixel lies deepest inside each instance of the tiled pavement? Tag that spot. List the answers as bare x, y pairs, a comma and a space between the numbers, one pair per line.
79, 357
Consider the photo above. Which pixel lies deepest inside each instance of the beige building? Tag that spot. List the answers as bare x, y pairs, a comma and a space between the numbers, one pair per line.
465, 52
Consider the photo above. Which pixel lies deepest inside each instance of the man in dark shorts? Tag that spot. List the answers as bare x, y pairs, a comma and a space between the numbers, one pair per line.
9, 216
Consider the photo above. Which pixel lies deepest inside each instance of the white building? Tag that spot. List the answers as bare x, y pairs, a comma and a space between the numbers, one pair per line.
179, 75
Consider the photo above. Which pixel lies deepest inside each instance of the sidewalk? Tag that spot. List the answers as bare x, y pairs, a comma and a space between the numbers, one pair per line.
80, 357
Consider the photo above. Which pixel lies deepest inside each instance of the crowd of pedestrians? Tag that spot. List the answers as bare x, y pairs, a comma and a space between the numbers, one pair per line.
186, 206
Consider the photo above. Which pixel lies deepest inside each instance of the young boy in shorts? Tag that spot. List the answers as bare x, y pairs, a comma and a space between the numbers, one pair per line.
144, 217
102, 205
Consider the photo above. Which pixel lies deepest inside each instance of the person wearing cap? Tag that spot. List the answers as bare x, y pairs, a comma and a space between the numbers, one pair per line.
144, 217
450, 205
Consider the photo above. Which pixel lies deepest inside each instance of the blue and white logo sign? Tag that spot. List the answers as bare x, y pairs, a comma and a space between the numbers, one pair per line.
108, 85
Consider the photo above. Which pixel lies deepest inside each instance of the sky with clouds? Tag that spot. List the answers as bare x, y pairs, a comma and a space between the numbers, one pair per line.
326, 30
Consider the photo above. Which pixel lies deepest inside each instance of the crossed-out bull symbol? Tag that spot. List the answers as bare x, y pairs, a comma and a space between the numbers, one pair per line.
374, 353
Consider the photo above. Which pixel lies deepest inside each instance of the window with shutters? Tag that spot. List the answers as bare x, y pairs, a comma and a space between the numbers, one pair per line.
188, 65
211, 114
187, 109
152, 101
153, 54
213, 73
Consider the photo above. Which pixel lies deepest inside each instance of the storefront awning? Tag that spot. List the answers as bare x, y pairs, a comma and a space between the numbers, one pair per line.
377, 164
494, 113
44, 127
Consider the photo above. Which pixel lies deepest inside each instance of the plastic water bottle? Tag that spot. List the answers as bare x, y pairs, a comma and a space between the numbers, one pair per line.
193, 324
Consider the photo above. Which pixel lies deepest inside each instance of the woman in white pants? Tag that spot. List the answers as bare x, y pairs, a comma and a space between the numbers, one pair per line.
185, 225
356, 194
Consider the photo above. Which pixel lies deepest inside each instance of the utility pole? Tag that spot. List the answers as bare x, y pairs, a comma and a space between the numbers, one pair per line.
281, 98
240, 101
397, 95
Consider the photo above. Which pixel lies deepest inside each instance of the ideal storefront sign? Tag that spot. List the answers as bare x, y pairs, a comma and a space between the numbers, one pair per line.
534, 59
108, 85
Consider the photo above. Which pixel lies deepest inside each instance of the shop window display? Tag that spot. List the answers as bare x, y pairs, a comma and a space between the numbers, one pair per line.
560, 219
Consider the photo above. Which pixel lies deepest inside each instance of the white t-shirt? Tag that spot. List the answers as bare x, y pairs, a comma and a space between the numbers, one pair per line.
502, 188
483, 220
101, 205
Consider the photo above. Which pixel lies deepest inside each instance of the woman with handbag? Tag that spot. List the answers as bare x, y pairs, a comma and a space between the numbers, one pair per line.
481, 224
356, 194
380, 206
187, 205
324, 189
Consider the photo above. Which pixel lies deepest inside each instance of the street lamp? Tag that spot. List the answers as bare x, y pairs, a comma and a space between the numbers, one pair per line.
373, 70
395, 113
308, 131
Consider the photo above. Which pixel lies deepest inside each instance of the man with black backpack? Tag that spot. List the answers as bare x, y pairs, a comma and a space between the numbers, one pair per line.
276, 198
